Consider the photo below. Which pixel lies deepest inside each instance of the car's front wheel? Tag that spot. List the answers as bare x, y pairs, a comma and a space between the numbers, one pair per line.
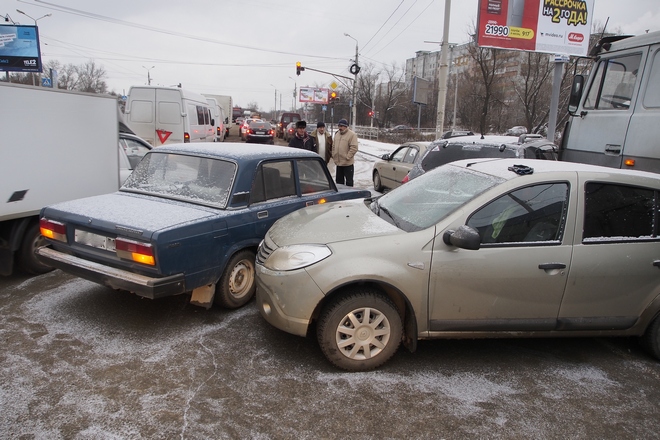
651, 338
378, 185
359, 331
237, 284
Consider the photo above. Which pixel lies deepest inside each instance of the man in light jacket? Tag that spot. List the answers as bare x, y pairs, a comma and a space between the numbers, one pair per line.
322, 141
344, 147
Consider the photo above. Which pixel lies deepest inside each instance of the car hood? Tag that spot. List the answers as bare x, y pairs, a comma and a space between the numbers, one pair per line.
144, 213
329, 223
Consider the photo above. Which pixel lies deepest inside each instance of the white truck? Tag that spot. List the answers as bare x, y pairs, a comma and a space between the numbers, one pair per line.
615, 114
56, 145
227, 103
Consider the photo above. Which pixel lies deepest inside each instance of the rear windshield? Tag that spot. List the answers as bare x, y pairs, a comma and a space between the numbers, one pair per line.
440, 155
290, 118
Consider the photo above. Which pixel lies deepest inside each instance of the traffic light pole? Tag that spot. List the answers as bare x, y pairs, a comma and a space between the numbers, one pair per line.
328, 73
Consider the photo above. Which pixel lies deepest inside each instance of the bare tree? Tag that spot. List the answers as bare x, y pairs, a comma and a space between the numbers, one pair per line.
487, 65
532, 89
91, 78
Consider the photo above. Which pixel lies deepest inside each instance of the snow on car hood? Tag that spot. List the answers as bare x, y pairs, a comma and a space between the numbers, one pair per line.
328, 223
139, 212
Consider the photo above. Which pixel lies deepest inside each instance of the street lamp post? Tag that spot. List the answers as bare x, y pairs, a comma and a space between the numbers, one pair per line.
293, 99
275, 101
35, 25
354, 107
149, 73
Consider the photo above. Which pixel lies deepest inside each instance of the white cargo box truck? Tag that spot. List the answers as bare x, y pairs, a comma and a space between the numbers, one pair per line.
56, 145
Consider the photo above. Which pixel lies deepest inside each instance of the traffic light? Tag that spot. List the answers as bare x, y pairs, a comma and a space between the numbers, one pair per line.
371, 113
299, 68
333, 97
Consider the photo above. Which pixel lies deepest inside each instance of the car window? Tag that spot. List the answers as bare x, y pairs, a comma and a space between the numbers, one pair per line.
411, 155
615, 90
440, 154
312, 177
399, 155
134, 151
618, 212
273, 181
189, 178
530, 214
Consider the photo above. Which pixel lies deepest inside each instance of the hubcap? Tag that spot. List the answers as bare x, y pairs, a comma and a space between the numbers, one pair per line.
363, 333
241, 279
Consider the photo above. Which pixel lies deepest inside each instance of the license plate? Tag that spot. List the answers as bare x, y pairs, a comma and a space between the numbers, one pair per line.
260, 132
95, 240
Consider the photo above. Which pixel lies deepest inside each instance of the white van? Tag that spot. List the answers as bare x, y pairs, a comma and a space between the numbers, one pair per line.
218, 115
616, 121
166, 115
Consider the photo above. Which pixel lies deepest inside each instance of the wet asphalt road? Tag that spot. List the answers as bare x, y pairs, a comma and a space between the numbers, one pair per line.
81, 361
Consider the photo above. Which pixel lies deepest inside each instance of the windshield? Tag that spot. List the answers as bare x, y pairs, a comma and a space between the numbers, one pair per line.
189, 178
425, 201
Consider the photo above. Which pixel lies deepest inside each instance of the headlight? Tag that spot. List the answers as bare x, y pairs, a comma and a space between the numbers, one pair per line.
296, 257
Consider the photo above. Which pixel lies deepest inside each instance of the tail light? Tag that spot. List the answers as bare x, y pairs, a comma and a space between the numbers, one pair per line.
186, 137
405, 179
219, 131
52, 229
135, 251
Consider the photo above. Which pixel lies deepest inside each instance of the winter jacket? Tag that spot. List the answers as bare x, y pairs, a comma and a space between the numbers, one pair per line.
328, 144
344, 148
306, 143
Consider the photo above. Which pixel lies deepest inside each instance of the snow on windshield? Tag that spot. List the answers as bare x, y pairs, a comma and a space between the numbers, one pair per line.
191, 178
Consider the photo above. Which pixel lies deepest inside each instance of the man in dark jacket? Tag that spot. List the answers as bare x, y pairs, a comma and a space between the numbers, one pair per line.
301, 139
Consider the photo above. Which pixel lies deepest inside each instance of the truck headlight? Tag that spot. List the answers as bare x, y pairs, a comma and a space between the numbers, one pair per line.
296, 257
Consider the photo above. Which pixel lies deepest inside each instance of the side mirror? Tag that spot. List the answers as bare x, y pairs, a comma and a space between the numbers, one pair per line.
465, 237
212, 121
385, 157
576, 94
226, 120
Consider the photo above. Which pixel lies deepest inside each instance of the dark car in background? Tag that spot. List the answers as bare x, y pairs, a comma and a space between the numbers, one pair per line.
187, 220
444, 151
285, 119
289, 131
260, 131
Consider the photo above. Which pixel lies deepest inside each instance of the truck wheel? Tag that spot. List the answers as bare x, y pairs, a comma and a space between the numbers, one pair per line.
27, 260
651, 338
378, 185
360, 331
237, 284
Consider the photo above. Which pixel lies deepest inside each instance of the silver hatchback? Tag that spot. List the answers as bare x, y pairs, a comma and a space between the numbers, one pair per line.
475, 248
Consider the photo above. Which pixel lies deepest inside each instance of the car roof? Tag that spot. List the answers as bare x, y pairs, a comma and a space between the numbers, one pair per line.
236, 151
500, 168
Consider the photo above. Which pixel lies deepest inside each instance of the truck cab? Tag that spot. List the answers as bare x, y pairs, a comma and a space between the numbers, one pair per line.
615, 113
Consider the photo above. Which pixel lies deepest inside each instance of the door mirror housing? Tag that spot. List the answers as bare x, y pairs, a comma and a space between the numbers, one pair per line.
465, 237
576, 94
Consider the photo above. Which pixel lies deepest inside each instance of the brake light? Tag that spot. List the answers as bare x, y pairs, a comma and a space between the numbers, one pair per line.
186, 137
135, 251
52, 229
219, 131
405, 179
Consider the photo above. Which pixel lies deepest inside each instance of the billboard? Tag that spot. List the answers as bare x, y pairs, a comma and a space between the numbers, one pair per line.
313, 95
19, 48
550, 26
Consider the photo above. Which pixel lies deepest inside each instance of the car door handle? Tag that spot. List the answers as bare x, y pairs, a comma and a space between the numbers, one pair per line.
546, 266
262, 214
656, 263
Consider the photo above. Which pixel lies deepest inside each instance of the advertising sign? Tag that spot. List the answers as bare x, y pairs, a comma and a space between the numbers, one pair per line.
19, 49
313, 95
550, 26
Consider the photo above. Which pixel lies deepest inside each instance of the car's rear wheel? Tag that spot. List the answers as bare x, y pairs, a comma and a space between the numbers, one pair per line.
27, 259
651, 338
359, 331
378, 185
237, 284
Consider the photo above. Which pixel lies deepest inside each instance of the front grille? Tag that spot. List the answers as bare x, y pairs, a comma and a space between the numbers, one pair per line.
266, 248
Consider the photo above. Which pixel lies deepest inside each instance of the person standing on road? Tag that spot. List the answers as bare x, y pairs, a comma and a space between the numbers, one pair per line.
322, 141
302, 139
344, 148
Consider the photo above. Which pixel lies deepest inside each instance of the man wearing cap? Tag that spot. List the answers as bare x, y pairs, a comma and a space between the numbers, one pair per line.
322, 141
301, 139
344, 147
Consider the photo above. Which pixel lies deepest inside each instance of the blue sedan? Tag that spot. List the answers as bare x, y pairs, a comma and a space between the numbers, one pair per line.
188, 219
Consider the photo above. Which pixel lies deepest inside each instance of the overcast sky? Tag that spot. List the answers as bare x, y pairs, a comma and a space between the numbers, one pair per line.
248, 49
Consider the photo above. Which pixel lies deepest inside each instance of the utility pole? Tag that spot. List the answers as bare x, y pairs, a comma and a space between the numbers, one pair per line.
442, 77
148, 74
354, 70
